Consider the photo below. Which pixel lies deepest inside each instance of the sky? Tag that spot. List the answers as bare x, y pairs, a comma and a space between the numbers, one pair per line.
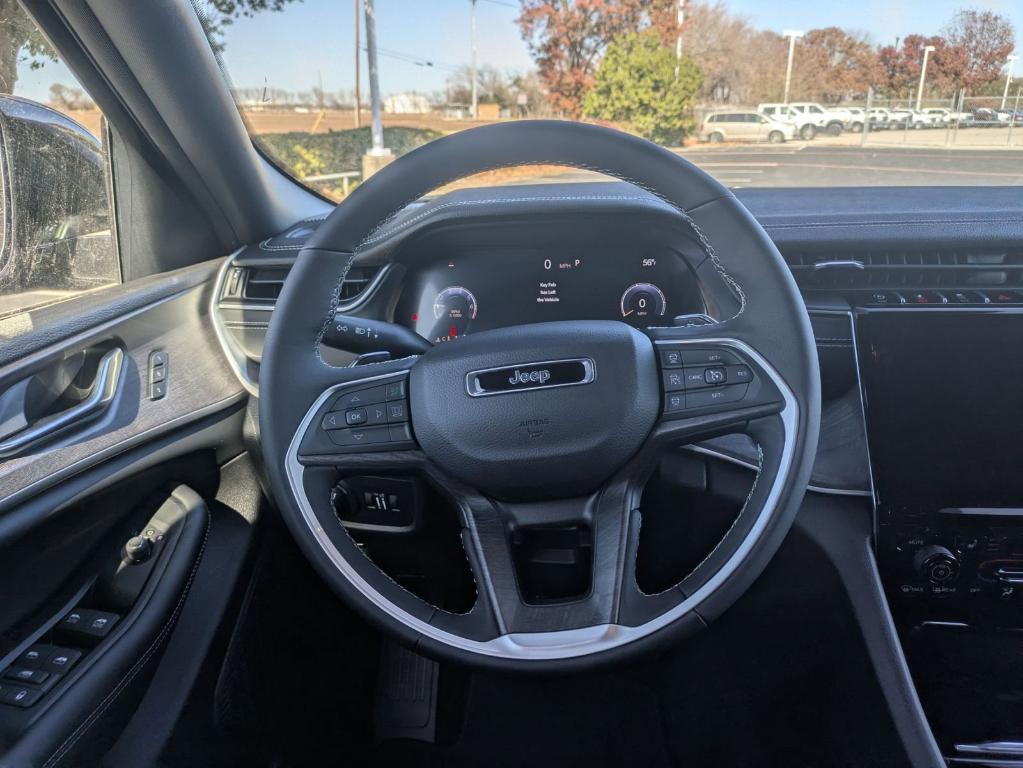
314, 39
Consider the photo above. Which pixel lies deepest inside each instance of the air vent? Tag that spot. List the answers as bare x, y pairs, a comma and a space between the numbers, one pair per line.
259, 285
908, 270
264, 284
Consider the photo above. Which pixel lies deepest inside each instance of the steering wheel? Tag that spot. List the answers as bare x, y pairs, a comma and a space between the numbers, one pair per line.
547, 424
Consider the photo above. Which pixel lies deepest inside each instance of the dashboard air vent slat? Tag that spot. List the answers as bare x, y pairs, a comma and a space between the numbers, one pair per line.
910, 269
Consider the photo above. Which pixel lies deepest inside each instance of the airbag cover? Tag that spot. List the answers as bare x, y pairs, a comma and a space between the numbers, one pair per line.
527, 438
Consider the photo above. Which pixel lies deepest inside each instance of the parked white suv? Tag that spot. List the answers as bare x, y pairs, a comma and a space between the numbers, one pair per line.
806, 126
832, 120
746, 126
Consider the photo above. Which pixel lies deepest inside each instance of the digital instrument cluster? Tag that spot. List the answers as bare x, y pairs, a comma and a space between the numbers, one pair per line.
444, 301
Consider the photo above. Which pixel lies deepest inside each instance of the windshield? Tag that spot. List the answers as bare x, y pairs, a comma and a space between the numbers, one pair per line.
910, 93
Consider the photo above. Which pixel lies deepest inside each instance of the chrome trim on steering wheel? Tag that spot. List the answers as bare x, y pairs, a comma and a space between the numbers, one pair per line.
539, 646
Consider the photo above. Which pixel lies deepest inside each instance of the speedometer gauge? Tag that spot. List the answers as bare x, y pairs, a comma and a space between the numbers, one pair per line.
642, 300
454, 309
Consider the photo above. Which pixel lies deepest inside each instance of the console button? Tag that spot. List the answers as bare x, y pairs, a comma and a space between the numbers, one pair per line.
671, 358
353, 438
714, 376
34, 657
61, 660
355, 417
26, 675
716, 396
739, 374
673, 381
21, 697
84, 623
709, 357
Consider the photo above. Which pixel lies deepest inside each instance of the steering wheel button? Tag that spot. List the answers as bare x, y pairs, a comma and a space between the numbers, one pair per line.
671, 358
709, 357
395, 390
716, 396
356, 416
674, 401
376, 414
333, 420
673, 381
359, 398
400, 433
695, 378
739, 374
714, 376
355, 438
396, 411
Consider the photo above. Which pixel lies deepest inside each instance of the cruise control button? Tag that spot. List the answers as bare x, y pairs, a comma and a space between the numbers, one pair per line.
673, 381
671, 358
695, 379
716, 396
353, 438
355, 417
714, 376
675, 401
709, 357
739, 374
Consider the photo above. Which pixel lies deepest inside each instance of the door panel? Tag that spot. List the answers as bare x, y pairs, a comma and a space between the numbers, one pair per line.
199, 382
148, 468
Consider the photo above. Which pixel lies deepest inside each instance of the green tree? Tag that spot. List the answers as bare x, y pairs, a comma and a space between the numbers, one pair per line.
637, 86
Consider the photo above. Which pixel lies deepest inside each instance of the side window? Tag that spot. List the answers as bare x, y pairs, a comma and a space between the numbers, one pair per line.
713, 118
57, 234
816, 110
768, 110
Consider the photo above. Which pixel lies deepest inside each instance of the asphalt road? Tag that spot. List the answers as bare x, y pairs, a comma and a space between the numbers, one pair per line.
815, 165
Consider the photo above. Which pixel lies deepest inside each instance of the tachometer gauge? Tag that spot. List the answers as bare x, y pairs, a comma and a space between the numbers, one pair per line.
454, 310
642, 300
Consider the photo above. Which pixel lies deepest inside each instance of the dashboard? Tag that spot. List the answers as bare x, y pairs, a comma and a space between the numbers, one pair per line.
467, 291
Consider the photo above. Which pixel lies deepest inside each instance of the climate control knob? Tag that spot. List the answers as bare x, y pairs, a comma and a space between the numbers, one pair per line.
937, 564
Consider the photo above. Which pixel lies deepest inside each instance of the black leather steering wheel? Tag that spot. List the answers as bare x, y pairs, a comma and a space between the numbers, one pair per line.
549, 423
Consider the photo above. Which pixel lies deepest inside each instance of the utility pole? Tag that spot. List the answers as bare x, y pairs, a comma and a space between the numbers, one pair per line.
923, 75
792, 35
1008, 77
378, 156
475, 92
678, 40
358, 62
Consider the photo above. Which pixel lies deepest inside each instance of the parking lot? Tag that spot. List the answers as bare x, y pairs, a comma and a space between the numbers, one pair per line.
840, 163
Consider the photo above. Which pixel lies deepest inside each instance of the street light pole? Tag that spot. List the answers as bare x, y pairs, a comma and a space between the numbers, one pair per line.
792, 35
358, 61
1008, 77
923, 75
374, 80
678, 40
475, 92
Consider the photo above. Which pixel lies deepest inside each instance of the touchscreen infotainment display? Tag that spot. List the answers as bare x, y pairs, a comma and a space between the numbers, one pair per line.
943, 393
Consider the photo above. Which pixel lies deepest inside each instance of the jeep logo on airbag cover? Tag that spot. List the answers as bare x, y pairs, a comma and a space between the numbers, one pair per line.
528, 376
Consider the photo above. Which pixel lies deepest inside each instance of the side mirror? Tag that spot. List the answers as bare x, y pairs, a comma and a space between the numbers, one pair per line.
56, 233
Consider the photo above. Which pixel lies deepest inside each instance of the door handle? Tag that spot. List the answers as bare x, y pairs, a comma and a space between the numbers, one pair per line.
108, 378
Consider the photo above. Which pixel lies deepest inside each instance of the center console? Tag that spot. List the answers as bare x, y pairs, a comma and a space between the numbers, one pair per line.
944, 408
